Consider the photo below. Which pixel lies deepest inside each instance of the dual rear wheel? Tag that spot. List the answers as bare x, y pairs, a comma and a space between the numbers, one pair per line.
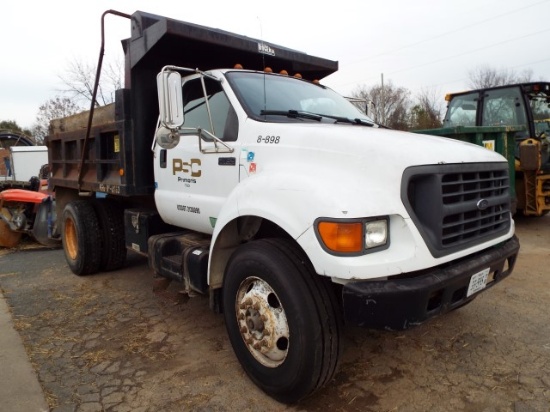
93, 236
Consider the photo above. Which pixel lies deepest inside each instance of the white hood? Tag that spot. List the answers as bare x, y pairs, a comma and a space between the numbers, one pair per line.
353, 163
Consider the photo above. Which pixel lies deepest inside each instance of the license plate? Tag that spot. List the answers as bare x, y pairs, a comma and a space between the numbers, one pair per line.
478, 282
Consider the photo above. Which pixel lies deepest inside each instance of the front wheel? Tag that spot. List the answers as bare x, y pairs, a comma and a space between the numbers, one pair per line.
283, 320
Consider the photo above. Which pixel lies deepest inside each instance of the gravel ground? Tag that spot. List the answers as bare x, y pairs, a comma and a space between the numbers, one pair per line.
110, 342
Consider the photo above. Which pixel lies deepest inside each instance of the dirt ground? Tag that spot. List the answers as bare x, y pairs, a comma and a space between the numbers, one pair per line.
108, 342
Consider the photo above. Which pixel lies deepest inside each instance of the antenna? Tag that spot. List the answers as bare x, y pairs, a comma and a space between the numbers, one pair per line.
261, 38
263, 59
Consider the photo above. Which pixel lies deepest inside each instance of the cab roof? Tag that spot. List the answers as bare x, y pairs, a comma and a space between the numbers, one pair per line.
529, 87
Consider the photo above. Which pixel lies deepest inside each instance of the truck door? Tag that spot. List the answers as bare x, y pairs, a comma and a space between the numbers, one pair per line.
193, 180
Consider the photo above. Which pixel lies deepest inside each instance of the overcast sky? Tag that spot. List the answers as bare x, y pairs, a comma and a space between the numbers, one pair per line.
419, 45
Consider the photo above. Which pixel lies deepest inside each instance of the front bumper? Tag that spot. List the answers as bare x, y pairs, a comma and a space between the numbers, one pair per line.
400, 303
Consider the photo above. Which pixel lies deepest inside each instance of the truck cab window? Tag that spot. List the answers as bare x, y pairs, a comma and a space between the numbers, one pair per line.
503, 108
224, 118
462, 111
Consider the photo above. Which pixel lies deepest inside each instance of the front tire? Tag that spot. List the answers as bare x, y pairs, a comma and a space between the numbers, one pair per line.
81, 238
283, 320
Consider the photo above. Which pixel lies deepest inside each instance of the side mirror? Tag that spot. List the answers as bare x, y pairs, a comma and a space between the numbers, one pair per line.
170, 99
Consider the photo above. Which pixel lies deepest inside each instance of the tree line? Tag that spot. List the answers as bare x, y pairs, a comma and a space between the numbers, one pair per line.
393, 106
388, 104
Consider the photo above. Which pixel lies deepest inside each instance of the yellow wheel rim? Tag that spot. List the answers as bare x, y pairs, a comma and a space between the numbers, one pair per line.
71, 241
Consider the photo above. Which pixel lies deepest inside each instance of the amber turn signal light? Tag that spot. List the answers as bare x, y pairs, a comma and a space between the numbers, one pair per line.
342, 237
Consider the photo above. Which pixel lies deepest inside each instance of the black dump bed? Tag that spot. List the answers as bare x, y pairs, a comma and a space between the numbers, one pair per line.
118, 158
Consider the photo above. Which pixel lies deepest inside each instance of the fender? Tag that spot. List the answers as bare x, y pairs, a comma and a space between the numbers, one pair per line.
292, 201
256, 198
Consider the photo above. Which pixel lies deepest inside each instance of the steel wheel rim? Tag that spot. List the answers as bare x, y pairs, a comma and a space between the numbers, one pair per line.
262, 322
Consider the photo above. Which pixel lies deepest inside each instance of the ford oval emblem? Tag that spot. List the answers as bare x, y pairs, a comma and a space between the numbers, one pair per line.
483, 204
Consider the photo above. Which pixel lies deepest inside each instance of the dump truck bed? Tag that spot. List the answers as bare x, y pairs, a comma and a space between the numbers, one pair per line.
118, 157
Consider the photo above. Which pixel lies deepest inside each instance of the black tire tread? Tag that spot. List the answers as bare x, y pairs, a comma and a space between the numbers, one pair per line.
111, 224
329, 312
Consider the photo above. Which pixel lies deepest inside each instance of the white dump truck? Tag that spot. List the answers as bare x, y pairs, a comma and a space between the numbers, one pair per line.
227, 162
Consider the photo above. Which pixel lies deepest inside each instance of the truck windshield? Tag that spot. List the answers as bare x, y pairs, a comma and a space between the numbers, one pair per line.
282, 98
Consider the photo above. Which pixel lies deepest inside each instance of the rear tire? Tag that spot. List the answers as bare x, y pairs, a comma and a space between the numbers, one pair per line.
81, 237
111, 224
283, 320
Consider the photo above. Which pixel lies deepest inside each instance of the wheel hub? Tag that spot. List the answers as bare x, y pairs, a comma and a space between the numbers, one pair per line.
19, 220
262, 322
254, 321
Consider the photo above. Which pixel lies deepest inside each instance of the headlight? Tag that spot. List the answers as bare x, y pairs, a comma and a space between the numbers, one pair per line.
376, 233
352, 236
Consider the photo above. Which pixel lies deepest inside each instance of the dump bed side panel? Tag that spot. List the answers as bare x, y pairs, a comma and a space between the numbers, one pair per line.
111, 164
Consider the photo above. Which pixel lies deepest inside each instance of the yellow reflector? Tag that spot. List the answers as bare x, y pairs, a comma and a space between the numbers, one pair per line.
342, 237
121, 172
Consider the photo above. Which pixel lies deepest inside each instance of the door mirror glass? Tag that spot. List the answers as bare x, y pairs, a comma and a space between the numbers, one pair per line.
170, 99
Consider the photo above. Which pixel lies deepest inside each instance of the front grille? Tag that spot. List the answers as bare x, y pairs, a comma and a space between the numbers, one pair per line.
457, 206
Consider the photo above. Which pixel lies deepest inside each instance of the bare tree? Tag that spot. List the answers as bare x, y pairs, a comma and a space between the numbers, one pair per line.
79, 80
426, 112
12, 126
390, 104
487, 76
53, 109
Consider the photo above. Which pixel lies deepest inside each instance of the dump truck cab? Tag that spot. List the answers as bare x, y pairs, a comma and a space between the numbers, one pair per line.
252, 183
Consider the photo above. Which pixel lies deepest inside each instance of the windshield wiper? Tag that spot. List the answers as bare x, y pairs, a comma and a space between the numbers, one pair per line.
316, 116
293, 114
348, 120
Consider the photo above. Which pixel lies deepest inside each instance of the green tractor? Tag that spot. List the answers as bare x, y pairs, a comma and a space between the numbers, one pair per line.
513, 120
